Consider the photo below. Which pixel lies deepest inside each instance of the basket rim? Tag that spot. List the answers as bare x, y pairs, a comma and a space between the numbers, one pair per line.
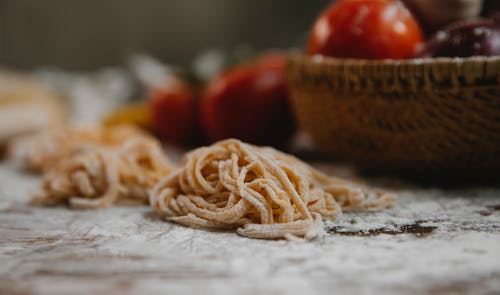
333, 61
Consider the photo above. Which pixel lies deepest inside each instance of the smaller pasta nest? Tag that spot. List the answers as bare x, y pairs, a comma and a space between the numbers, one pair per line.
93, 177
261, 192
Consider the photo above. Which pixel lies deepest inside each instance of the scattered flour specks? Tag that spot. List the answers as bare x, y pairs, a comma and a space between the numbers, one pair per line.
433, 241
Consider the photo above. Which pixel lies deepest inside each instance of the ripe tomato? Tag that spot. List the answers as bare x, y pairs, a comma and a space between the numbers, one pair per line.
249, 102
367, 29
174, 108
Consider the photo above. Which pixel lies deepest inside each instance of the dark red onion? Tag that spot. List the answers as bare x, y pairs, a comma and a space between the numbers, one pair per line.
479, 37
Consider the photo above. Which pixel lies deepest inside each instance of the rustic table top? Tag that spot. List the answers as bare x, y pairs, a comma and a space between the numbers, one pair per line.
433, 241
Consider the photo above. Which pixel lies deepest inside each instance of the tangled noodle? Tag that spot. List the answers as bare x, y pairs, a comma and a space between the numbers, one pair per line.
261, 192
93, 175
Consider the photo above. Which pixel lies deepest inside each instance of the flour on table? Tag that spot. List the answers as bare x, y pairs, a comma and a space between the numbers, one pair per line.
127, 250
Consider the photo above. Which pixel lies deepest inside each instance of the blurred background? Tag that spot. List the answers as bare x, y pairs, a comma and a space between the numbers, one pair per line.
115, 61
88, 34
94, 33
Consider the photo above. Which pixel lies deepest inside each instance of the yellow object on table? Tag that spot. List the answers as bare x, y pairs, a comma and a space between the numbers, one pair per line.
137, 114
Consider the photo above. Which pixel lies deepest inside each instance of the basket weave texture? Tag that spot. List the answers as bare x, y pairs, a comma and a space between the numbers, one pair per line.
421, 115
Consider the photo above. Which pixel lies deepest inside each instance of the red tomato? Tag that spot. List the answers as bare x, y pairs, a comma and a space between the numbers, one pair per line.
174, 108
249, 102
367, 29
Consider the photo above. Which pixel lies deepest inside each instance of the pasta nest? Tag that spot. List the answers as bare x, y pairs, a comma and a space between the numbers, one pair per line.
261, 192
97, 176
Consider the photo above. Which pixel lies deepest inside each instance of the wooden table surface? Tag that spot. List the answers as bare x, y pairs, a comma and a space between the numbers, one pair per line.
434, 241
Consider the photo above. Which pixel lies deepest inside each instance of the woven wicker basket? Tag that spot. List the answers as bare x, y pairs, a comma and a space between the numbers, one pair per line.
430, 115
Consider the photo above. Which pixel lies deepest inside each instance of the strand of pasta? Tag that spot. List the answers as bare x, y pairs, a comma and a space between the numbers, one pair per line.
260, 192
